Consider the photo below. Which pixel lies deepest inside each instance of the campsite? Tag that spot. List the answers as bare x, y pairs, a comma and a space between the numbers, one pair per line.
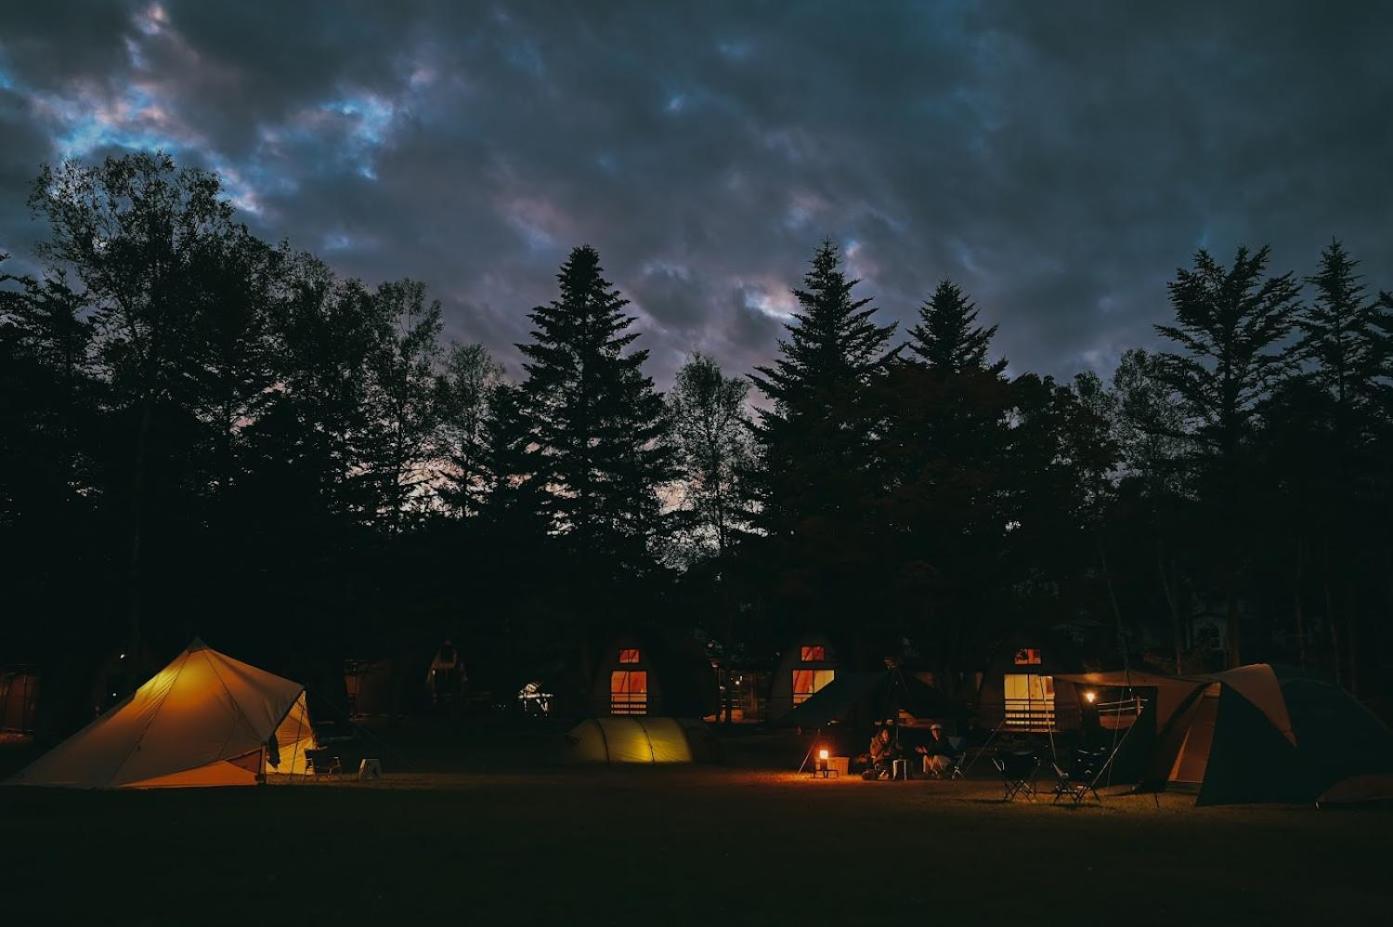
734, 844
518, 819
808, 462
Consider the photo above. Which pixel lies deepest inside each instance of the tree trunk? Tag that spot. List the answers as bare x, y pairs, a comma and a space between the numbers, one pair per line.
136, 535
1298, 609
1177, 635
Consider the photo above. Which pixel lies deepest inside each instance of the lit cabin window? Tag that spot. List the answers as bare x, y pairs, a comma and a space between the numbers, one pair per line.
814, 654
628, 692
1028, 656
629, 655
806, 682
1029, 702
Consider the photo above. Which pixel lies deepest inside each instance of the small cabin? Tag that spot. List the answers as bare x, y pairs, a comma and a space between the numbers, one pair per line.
646, 675
1018, 691
807, 666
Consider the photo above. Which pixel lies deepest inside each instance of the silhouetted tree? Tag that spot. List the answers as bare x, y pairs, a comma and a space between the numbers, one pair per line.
464, 390
1230, 323
817, 481
947, 338
711, 431
599, 430
136, 233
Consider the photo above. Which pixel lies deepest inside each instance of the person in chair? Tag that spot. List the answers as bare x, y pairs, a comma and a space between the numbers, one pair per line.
939, 755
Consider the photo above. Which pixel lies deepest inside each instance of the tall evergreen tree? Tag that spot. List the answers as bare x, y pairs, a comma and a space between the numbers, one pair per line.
599, 429
1230, 323
817, 483
1341, 351
947, 338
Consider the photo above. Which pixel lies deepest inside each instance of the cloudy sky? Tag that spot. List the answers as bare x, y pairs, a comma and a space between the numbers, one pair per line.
1058, 160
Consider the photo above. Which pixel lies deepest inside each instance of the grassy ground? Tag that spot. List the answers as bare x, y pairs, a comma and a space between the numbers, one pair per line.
676, 846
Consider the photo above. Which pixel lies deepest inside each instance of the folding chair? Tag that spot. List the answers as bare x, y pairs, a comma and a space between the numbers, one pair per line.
1077, 782
959, 745
1017, 772
323, 763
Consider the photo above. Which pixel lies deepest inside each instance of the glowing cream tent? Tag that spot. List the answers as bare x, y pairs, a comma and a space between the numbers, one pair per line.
205, 719
639, 740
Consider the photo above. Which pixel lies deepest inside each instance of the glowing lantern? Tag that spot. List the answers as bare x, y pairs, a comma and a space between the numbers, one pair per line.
1090, 696
822, 760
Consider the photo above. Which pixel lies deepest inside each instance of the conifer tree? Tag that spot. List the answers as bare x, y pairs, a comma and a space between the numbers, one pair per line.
1230, 323
946, 338
815, 493
599, 429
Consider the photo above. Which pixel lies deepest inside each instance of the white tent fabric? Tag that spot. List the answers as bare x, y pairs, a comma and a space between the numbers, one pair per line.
204, 719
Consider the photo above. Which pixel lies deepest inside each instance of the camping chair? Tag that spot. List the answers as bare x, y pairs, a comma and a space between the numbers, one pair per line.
324, 762
959, 745
1077, 782
956, 761
1017, 772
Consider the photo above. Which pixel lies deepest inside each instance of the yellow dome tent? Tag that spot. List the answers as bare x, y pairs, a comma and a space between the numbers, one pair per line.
639, 740
205, 719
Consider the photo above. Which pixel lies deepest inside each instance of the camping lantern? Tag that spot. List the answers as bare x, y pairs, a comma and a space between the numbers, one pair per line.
822, 767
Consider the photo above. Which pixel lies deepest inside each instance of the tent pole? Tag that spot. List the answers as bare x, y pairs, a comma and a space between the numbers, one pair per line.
811, 747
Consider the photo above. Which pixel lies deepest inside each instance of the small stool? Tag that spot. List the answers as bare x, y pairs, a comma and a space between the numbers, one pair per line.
369, 768
899, 769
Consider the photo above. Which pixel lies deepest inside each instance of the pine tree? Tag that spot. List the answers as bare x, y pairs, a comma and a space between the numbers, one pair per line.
815, 491
946, 338
1231, 323
1339, 337
511, 501
599, 427
947, 474
1341, 349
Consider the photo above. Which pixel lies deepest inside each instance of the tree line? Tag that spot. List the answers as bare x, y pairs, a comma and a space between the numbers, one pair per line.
205, 433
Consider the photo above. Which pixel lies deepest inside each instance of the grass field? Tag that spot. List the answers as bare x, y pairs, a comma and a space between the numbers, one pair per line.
676, 846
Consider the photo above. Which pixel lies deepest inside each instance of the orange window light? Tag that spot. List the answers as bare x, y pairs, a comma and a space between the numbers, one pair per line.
629, 655
814, 654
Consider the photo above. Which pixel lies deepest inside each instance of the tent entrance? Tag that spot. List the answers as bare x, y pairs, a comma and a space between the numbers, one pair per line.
1192, 759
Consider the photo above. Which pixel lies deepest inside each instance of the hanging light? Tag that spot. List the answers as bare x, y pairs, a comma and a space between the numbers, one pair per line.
1090, 696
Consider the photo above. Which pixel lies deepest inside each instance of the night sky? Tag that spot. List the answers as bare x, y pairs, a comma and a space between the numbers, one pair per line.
1058, 160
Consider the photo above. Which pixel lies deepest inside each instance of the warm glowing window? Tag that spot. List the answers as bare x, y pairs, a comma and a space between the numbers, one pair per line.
628, 692
629, 655
814, 654
1027, 656
806, 682
1029, 701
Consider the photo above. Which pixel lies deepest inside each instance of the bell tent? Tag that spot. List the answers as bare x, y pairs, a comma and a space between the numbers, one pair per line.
204, 720
640, 740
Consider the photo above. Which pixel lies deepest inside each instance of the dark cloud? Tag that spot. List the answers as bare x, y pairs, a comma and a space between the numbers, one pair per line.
1058, 160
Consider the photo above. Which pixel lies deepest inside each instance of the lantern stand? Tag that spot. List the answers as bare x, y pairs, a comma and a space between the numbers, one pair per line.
811, 747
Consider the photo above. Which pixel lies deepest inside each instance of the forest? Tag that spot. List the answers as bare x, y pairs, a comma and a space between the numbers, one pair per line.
204, 433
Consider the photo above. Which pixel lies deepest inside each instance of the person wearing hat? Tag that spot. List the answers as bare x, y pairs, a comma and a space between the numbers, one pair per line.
938, 753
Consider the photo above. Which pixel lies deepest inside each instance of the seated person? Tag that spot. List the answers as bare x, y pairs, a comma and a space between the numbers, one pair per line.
938, 753
881, 754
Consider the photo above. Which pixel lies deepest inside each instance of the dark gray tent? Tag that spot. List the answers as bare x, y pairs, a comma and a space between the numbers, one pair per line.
863, 698
1258, 733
